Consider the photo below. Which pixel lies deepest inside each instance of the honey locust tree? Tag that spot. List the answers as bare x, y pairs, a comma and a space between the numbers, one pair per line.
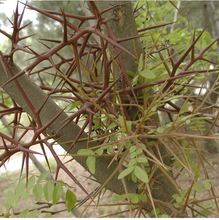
101, 103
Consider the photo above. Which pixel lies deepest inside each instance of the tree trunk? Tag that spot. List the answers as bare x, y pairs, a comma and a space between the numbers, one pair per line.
205, 15
123, 26
49, 111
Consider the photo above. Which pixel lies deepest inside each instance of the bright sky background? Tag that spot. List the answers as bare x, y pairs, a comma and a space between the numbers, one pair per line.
8, 7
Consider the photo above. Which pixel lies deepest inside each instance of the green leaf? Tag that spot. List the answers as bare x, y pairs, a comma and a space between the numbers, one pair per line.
126, 172
132, 162
91, 163
24, 213
43, 176
129, 125
139, 151
160, 130
25, 195
133, 177
133, 198
57, 193
155, 211
130, 73
74, 105
132, 149
151, 113
37, 191
206, 184
140, 63
198, 187
184, 108
99, 151
151, 131
195, 168
178, 198
135, 80
142, 198
110, 149
207, 205
141, 174
10, 197
70, 200
148, 74
33, 214
142, 160
48, 191
206, 212
111, 126
154, 108
119, 198
31, 182
85, 152
133, 154
61, 182
121, 120
20, 188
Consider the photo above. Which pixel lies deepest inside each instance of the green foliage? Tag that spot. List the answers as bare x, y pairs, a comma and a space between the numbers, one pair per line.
132, 197
91, 159
57, 193
141, 174
38, 192
186, 197
48, 191
70, 200
157, 213
42, 190
137, 165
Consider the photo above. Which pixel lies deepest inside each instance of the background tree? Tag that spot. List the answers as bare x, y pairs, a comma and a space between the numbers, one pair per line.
112, 90
208, 21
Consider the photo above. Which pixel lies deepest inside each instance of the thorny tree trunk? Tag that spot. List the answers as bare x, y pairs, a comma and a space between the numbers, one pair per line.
51, 111
123, 25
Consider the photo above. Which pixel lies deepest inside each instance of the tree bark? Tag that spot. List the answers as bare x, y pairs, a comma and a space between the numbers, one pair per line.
123, 26
66, 136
